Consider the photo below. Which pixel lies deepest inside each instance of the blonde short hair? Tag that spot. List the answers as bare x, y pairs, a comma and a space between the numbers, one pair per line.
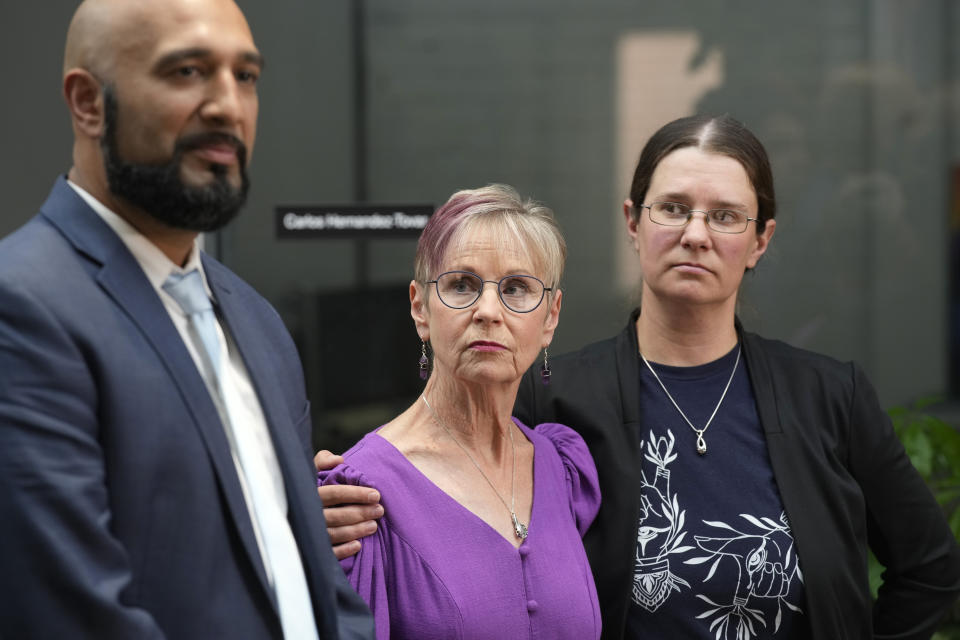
497, 209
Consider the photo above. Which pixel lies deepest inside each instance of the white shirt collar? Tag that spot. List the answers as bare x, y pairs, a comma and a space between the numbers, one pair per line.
154, 262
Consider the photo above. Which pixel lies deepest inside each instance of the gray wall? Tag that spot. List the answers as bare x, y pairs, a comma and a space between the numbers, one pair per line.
35, 135
856, 101
851, 98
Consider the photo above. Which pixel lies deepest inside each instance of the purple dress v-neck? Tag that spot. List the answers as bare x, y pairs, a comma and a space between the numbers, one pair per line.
435, 570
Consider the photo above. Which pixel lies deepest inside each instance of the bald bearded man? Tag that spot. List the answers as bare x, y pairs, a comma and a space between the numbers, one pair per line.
155, 469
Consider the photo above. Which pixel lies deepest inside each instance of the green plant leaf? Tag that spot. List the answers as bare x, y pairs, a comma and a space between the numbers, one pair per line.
954, 521
916, 440
934, 448
876, 570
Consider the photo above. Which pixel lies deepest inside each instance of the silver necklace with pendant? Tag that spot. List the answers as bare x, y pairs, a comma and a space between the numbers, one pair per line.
519, 529
701, 443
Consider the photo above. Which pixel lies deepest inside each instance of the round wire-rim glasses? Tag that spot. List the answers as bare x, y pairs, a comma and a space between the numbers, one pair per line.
518, 292
677, 214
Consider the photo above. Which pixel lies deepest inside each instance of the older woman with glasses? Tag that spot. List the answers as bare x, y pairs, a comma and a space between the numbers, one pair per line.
483, 515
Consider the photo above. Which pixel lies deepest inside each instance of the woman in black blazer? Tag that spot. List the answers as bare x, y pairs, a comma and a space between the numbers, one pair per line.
743, 479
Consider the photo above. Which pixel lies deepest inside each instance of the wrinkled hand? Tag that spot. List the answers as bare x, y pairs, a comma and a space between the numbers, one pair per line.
351, 511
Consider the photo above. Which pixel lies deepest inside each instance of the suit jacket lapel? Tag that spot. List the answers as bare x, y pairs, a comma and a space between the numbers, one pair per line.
248, 336
124, 281
303, 504
249, 340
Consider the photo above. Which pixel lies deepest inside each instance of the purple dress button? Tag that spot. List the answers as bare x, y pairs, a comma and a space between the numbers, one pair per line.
532, 606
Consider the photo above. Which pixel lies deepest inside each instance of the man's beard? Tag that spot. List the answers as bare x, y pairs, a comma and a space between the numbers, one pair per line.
159, 190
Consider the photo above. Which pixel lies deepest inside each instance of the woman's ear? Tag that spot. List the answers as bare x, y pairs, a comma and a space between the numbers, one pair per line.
553, 318
763, 242
632, 218
419, 310
84, 96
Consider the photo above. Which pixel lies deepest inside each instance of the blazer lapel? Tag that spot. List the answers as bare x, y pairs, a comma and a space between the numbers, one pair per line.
793, 467
303, 504
121, 277
762, 383
628, 373
248, 336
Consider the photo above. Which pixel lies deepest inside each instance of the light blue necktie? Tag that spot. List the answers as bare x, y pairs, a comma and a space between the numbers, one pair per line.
279, 545
187, 289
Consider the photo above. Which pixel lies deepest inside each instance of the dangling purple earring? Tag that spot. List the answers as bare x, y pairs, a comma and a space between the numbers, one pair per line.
545, 369
424, 361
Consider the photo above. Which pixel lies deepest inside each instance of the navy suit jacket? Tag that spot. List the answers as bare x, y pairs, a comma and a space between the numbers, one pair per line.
120, 508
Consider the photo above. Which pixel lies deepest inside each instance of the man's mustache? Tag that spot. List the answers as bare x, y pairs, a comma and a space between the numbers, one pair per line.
208, 138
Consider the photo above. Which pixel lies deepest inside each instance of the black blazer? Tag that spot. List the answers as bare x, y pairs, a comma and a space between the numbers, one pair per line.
844, 477
122, 513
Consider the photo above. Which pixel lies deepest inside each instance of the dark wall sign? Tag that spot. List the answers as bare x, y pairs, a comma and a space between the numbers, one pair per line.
352, 220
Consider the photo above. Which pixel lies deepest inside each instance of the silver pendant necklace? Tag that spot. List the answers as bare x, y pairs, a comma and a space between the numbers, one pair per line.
701, 443
519, 528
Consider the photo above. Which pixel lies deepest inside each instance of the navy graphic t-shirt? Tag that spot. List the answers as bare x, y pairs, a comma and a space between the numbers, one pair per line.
715, 556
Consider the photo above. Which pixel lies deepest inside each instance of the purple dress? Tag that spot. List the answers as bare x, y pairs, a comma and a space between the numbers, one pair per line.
435, 570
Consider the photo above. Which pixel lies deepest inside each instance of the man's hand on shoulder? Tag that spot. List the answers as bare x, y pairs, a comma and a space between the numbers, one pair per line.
351, 511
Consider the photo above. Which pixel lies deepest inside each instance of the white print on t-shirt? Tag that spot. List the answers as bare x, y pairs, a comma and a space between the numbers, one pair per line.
765, 557
660, 529
767, 564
